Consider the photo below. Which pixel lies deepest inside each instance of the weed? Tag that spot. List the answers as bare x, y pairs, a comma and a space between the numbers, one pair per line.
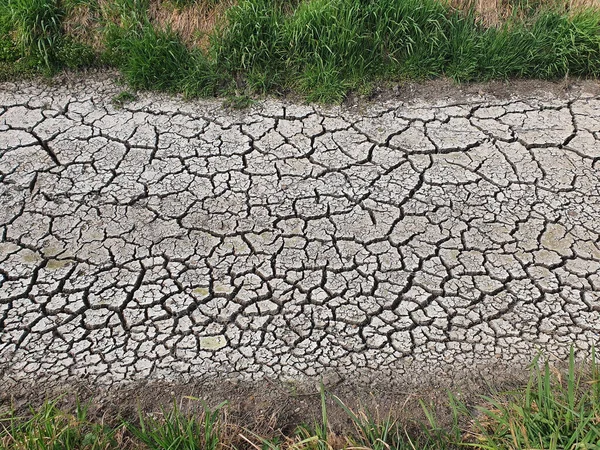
122, 98
552, 412
238, 101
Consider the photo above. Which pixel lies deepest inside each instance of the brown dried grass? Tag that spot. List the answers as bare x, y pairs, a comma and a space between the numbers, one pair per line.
82, 24
493, 12
193, 22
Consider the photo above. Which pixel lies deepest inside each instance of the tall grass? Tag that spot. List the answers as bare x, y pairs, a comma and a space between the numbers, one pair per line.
154, 59
250, 45
36, 26
32, 37
321, 48
151, 58
554, 411
326, 47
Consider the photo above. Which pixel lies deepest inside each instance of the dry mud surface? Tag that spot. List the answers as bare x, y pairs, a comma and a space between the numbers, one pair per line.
169, 241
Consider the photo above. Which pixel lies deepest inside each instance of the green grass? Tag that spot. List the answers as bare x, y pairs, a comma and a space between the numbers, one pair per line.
554, 410
369, 432
50, 428
32, 40
333, 44
320, 48
176, 430
324, 48
154, 59
36, 25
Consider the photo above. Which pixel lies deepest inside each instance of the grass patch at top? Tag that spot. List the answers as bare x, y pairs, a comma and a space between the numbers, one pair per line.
320, 48
37, 26
153, 59
326, 47
31, 37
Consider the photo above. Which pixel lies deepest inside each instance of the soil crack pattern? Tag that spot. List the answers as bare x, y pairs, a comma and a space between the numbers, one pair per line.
172, 240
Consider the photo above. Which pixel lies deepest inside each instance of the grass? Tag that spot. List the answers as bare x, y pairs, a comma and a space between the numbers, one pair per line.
176, 430
122, 98
31, 37
49, 427
556, 409
153, 59
321, 49
325, 48
36, 26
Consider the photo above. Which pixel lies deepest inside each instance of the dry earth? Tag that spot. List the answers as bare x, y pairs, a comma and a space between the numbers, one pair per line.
435, 233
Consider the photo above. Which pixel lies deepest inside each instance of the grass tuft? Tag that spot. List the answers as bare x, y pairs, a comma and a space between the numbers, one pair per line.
554, 411
179, 431
36, 28
51, 428
153, 59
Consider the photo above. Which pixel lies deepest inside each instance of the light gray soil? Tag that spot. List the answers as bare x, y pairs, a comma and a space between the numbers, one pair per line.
435, 233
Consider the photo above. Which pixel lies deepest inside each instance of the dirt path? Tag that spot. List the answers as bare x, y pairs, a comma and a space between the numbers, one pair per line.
170, 240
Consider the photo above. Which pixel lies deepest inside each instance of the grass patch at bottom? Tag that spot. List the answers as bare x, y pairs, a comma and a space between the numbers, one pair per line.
50, 427
178, 430
556, 409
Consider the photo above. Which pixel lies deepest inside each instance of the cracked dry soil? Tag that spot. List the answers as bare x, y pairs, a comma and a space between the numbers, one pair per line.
171, 241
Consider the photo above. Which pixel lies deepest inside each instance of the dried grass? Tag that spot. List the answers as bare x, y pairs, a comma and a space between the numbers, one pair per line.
193, 22
493, 12
82, 24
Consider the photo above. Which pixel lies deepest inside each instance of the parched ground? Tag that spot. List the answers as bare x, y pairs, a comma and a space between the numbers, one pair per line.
165, 240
